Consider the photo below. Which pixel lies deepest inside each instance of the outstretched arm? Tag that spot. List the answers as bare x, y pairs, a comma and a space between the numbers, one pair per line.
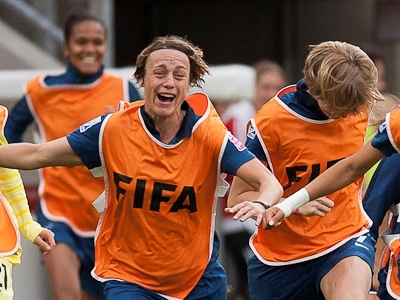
336, 177
27, 156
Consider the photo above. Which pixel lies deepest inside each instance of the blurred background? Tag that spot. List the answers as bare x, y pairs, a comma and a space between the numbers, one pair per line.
229, 31
234, 34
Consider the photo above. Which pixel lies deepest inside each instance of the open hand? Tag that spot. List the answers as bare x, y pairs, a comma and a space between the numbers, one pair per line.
318, 207
246, 210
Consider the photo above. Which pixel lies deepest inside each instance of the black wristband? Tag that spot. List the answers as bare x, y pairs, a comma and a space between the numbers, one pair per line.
266, 206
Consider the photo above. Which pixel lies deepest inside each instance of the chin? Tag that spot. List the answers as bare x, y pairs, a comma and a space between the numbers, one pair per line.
87, 71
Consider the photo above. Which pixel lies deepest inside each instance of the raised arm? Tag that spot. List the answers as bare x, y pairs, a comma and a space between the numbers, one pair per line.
27, 156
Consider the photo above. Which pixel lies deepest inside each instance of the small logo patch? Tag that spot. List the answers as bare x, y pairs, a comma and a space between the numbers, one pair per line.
382, 127
89, 124
251, 133
360, 245
238, 144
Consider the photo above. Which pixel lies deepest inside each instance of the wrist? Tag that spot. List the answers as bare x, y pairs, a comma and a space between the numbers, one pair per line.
293, 201
266, 206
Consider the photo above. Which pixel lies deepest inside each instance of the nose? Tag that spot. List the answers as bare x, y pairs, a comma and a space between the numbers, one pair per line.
90, 47
169, 80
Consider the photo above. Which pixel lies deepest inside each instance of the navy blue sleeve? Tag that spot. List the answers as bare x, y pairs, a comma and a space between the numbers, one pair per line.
383, 191
234, 157
381, 141
133, 93
85, 142
18, 120
253, 143
254, 146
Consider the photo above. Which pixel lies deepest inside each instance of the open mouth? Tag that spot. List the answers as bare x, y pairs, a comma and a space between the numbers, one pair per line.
165, 97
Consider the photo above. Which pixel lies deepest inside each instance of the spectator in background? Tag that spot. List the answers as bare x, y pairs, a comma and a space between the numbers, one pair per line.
269, 79
58, 105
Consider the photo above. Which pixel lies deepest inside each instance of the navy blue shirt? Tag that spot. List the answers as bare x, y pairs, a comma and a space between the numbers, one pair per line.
382, 142
383, 191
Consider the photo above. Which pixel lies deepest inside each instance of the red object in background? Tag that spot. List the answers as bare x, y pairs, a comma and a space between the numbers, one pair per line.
32, 195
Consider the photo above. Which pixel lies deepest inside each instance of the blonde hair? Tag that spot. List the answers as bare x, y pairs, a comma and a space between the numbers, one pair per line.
198, 66
342, 76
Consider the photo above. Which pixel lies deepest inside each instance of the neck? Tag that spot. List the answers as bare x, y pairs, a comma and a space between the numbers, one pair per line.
168, 126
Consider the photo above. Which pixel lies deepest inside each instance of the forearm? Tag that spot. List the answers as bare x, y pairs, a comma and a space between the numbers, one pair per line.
328, 182
234, 199
336, 177
333, 179
13, 190
344, 172
27, 156
271, 191
254, 182
23, 156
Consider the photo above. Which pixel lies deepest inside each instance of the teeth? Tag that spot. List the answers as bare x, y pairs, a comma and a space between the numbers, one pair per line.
90, 59
167, 95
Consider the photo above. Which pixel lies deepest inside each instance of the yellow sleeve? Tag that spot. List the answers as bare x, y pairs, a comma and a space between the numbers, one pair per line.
12, 188
371, 131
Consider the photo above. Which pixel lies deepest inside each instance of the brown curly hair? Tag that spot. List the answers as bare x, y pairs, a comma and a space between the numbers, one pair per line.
198, 66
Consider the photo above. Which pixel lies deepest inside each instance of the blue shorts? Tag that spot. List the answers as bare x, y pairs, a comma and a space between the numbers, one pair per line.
302, 280
211, 286
84, 249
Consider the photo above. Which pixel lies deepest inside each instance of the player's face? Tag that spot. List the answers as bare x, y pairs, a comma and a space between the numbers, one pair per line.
166, 82
86, 47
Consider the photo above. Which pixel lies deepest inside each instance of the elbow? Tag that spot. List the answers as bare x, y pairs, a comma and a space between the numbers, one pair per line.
229, 202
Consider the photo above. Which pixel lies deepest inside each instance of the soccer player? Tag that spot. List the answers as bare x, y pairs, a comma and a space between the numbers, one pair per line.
300, 133
161, 159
